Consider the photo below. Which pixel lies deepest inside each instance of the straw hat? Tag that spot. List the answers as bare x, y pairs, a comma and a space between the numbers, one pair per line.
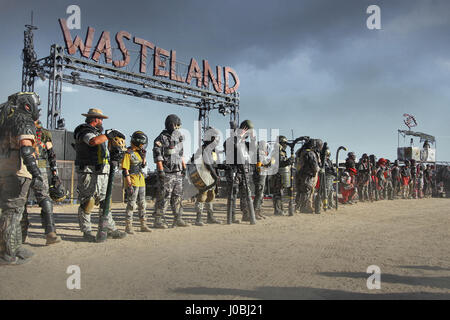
95, 113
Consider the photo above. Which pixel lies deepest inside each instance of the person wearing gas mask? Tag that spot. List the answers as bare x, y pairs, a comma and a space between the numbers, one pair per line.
45, 156
134, 181
284, 167
308, 165
168, 156
207, 155
92, 167
18, 170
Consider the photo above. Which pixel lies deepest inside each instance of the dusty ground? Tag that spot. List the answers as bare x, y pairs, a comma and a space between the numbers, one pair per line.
302, 257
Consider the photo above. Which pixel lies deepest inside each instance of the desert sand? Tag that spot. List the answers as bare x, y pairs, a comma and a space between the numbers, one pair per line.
307, 256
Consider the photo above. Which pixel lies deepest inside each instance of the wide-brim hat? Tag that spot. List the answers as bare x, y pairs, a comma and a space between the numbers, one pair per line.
95, 113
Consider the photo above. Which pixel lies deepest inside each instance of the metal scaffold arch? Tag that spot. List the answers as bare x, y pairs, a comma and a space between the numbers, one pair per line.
60, 67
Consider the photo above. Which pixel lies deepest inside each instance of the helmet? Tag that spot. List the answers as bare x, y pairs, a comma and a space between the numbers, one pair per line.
246, 125
57, 192
172, 122
282, 140
406, 162
211, 134
26, 102
396, 162
117, 147
139, 139
351, 155
318, 144
365, 156
327, 152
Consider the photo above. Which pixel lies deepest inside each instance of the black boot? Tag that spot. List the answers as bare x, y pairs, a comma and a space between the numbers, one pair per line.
48, 222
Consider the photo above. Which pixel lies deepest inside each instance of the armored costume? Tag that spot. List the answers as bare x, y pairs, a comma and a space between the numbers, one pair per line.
363, 177
206, 155
308, 165
168, 152
263, 162
405, 174
239, 157
134, 181
45, 156
284, 168
92, 167
18, 168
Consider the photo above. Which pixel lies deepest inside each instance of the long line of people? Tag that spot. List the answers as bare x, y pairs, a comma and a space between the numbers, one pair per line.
370, 179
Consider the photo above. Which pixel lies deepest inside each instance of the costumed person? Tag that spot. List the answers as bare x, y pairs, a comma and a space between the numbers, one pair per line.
133, 162
18, 169
168, 156
45, 156
284, 167
363, 177
92, 167
207, 156
308, 166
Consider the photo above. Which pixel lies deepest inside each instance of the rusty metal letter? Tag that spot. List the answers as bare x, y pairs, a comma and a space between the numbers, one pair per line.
194, 72
103, 47
144, 45
228, 90
173, 67
158, 63
207, 74
72, 46
126, 55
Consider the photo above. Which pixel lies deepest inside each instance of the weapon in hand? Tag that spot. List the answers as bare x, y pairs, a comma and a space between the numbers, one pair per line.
337, 173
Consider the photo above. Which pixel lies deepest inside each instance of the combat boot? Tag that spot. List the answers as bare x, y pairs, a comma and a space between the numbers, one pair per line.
144, 227
129, 227
7, 260
198, 220
24, 253
52, 238
116, 234
48, 222
159, 224
233, 218
178, 222
88, 236
211, 218
245, 217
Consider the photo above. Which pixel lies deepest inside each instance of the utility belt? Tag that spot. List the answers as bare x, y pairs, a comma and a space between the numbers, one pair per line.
98, 168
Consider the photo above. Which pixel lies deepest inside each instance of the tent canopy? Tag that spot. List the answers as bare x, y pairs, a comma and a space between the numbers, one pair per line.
423, 136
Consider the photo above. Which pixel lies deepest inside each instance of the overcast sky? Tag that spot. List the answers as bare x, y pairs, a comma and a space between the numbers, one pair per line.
308, 66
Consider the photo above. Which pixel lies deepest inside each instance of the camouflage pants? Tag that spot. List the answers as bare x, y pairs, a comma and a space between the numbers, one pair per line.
207, 197
260, 182
413, 188
388, 191
13, 196
396, 185
39, 194
278, 189
170, 192
330, 190
137, 199
92, 190
305, 192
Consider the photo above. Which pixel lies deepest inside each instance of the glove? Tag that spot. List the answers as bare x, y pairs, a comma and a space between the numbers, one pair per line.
130, 191
38, 183
183, 172
291, 161
161, 175
112, 133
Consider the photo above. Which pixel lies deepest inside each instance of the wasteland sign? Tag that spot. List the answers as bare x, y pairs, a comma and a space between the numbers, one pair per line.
164, 61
